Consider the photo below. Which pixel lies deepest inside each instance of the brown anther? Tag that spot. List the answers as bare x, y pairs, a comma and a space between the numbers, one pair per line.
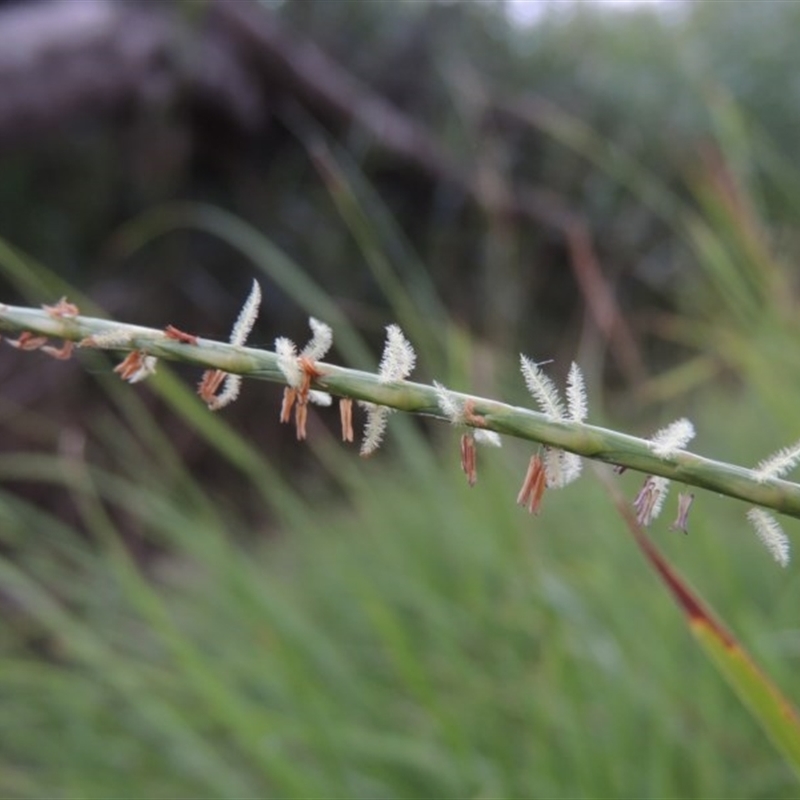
685, 500
533, 486
469, 458
209, 384
646, 501
171, 332
28, 341
619, 469
62, 309
132, 366
61, 353
289, 396
300, 417
346, 415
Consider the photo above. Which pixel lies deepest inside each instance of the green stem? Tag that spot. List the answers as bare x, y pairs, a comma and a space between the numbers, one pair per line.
589, 441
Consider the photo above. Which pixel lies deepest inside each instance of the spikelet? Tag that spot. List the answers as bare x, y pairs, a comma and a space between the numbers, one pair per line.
674, 437
542, 388
397, 361
650, 500
577, 402
771, 534
778, 464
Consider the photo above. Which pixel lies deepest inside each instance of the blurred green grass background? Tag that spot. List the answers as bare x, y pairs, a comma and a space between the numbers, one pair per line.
317, 626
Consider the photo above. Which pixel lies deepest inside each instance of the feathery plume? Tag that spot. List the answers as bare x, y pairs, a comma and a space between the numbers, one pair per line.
374, 427
213, 378
247, 316
778, 464
320, 342
398, 357
577, 402
286, 351
674, 437
771, 534
397, 361
230, 392
542, 388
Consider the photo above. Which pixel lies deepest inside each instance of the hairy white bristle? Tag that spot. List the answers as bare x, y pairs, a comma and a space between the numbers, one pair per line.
771, 534
374, 427
321, 340
230, 392
286, 351
542, 388
247, 316
674, 437
398, 356
146, 369
577, 402
778, 464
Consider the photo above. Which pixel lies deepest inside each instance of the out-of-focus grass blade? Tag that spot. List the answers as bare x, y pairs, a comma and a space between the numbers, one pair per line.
765, 702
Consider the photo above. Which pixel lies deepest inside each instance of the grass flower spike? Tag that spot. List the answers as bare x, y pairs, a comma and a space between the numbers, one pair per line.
560, 429
397, 362
461, 412
771, 534
299, 371
214, 378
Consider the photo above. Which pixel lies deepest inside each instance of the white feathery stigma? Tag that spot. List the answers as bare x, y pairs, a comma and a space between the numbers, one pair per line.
542, 388
577, 402
771, 534
778, 464
398, 356
230, 392
286, 351
321, 340
674, 437
247, 316
374, 427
